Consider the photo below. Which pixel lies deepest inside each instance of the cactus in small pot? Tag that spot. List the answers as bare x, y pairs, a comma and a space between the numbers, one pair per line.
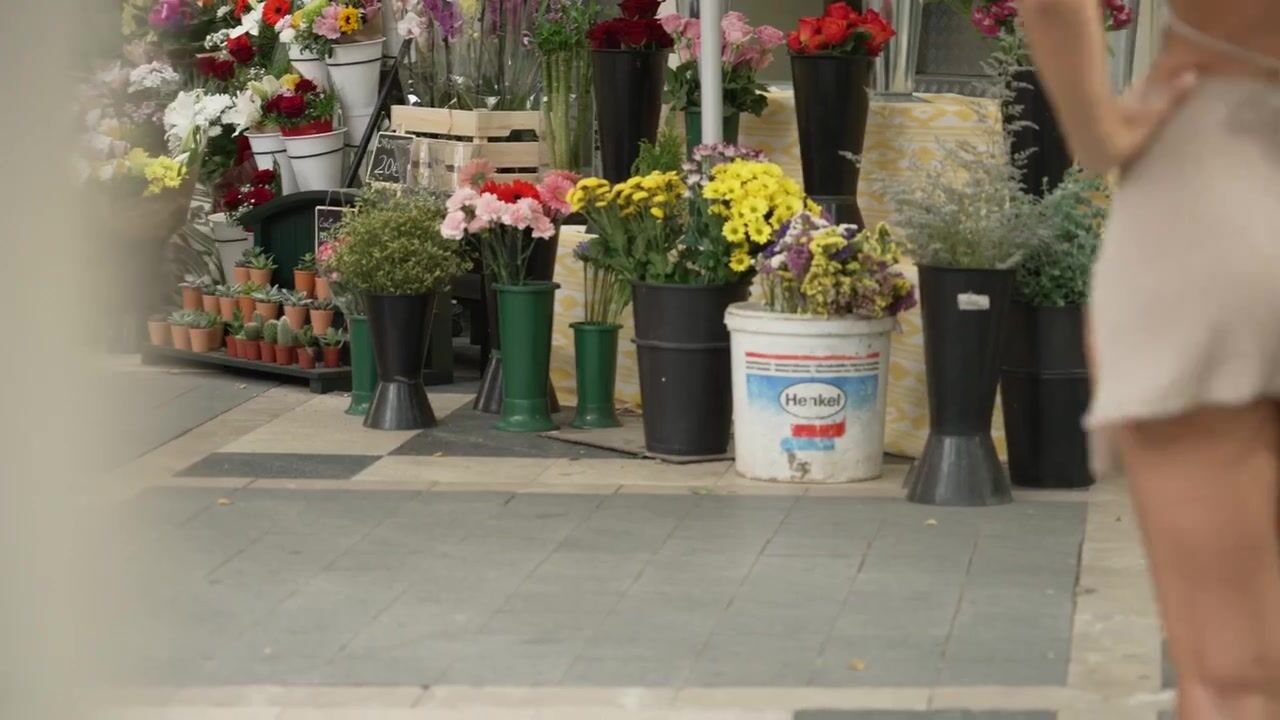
235, 328
284, 342
270, 333
306, 341
322, 312
251, 344
295, 308
304, 274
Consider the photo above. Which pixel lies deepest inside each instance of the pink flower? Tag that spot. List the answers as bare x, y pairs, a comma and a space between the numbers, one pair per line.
460, 199
735, 28
327, 24
554, 191
672, 23
475, 173
477, 226
543, 228
489, 208
770, 36
693, 33
520, 214
454, 226
371, 8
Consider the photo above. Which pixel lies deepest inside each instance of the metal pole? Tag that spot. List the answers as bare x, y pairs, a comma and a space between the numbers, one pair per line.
710, 72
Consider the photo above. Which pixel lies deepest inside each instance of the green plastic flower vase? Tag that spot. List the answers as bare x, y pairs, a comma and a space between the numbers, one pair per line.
524, 323
693, 128
596, 355
364, 373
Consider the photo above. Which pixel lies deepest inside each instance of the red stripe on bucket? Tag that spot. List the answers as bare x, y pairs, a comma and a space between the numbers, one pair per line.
767, 356
818, 431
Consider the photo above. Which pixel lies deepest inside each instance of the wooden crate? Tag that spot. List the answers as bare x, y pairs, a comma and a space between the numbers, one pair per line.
475, 134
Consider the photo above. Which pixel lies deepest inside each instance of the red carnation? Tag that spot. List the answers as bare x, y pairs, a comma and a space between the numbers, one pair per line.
263, 178
639, 9
794, 43
232, 200
241, 48
258, 196
305, 86
204, 65
842, 11
292, 106
224, 69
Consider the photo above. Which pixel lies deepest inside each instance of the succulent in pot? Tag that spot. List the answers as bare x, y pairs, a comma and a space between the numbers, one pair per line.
306, 347
304, 275
158, 330
179, 330
285, 340
227, 305
266, 302
250, 347
201, 326
261, 268
331, 347
235, 327
295, 307
270, 333
322, 312
193, 287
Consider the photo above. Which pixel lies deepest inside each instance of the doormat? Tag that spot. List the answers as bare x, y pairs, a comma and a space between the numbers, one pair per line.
627, 439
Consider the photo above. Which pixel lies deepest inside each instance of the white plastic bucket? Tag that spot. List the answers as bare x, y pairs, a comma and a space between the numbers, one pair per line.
354, 70
268, 152
808, 395
232, 241
316, 159
310, 65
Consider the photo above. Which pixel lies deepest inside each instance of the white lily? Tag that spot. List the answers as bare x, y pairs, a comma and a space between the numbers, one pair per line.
245, 113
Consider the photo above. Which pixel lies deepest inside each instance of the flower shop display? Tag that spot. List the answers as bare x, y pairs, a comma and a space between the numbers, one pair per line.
595, 339
746, 51
250, 117
811, 363
392, 251
831, 61
295, 307
687, 244
304, 113
304, 275
321, 313
966, 231
629, 58
510, 221
331, 343
1044, 382
158, 330
263, 187
560, 35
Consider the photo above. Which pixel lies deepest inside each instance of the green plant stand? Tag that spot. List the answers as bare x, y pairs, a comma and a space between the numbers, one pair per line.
364, 373
596, 356
524, 322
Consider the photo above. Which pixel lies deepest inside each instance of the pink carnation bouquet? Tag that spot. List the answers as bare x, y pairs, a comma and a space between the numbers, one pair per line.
506, 219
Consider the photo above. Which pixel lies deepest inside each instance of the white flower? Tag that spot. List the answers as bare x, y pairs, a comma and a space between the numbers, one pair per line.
286, 29
250, 22
153, 76
410, 26
245, 113
266, 88
190, 117
217, 40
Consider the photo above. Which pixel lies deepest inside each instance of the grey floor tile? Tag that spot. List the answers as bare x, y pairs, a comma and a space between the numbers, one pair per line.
647, 671
279, 465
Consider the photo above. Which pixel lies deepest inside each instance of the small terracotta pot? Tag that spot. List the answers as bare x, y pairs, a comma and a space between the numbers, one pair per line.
269, 311
323, 292
266, 351
227, 308
159, 332
332, 357
249, 350
201, 340
321, 321
262, 277
306, 359
219, 336
233, 347
181, 336
284, 354
247, 305
305, 280
239, 275
210, 303
191, 298
297, 315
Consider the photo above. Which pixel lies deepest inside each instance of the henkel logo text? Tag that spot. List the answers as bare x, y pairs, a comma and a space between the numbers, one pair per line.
812, 400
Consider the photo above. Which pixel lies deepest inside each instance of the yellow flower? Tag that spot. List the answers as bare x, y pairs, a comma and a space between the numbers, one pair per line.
657, 212
739, 261
290, 81
348, 20
735, 232
164, 173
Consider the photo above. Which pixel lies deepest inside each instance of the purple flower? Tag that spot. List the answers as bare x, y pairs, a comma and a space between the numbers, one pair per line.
167, 15
799, 257
582, 251
446, 15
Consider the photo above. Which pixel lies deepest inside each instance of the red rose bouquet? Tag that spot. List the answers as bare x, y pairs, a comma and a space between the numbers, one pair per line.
841, 31
299, 108
637, 29
262, 188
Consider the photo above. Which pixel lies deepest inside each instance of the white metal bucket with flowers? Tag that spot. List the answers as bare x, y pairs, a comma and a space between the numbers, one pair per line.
811, 363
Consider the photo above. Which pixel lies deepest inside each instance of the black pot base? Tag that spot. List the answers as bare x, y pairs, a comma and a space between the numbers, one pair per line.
400, 406
489, 397
959, 471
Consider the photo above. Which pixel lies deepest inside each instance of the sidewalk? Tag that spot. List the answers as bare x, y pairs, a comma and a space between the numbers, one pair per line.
296, 564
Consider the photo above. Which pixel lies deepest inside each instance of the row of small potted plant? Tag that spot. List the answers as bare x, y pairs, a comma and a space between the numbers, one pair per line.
258, 266
194, 330
247, 298
279, 342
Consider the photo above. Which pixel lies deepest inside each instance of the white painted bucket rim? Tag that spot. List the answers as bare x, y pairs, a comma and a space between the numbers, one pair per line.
297, 53
753, 317
316, 136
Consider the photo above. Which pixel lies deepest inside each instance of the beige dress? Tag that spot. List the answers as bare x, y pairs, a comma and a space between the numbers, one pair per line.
1185, 301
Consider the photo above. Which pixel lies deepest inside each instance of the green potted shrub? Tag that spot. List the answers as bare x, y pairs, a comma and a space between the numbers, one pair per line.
394, 255
304, 275
331, 347
1044, 382
295, 307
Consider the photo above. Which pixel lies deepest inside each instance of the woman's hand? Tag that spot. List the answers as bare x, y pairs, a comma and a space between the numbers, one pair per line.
1139, 116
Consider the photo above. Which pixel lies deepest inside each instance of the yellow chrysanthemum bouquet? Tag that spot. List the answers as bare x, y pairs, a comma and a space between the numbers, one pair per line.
639, 224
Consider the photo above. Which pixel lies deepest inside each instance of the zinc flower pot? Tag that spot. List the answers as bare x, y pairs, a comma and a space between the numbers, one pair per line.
1044, 393
181, 336
524, 321
354, 69
682, 346
964, 313
316, 159
158, 332
269, 153
310, 65
400, 328
693, 128
364, 371
832, 105
809, 395
628, 89
595, 348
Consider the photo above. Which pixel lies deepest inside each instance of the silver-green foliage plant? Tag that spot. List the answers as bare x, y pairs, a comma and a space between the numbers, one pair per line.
1056, 273
393, 245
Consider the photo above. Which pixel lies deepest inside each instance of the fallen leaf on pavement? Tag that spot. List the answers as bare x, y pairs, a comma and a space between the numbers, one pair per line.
931, 522
701, 491
224, 501
439, 454
857, 665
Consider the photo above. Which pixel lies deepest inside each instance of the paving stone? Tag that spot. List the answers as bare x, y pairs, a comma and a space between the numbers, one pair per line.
279, 465
467, 433
647, 671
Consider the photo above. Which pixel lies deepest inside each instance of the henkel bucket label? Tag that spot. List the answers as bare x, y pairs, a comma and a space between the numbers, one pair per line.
812, 399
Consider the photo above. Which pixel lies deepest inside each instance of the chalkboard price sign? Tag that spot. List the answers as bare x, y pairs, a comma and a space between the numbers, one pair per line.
327, 219
391, 158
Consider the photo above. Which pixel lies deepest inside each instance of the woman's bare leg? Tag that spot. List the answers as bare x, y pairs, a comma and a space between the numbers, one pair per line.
1206, 488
